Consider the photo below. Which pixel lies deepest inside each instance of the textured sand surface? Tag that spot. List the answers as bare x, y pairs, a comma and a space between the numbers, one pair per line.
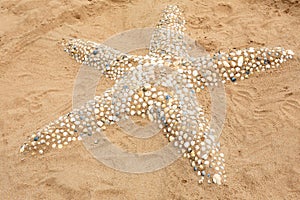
261, 136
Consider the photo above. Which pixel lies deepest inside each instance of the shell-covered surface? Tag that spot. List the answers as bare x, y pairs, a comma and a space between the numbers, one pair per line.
153, 99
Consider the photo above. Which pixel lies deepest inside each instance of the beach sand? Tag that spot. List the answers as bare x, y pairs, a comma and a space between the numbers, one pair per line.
261, 133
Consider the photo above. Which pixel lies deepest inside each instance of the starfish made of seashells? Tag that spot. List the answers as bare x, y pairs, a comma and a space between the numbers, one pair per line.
143, 89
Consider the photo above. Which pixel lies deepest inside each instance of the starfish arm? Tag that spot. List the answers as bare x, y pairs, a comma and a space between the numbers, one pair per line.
234, 65
65, 129
241, 64
112, 63
168, 36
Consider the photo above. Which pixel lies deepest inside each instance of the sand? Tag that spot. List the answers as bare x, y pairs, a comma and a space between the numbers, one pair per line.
262, 130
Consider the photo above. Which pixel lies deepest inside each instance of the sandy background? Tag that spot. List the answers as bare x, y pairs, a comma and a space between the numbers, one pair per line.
262, 130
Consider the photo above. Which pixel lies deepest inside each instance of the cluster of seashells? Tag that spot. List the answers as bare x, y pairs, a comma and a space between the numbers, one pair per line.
240, 64
159, 87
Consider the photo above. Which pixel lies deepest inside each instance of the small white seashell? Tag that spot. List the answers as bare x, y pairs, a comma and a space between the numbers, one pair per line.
151, 118
22, 149
226, 64
251, 50
290, 52
217, 179
186, 144
195, 73
240, 61
132, 112
148, 93
100, 123
147, 86
209, 78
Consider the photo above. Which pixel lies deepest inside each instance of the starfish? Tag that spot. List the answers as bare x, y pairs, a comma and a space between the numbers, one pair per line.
159, 87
